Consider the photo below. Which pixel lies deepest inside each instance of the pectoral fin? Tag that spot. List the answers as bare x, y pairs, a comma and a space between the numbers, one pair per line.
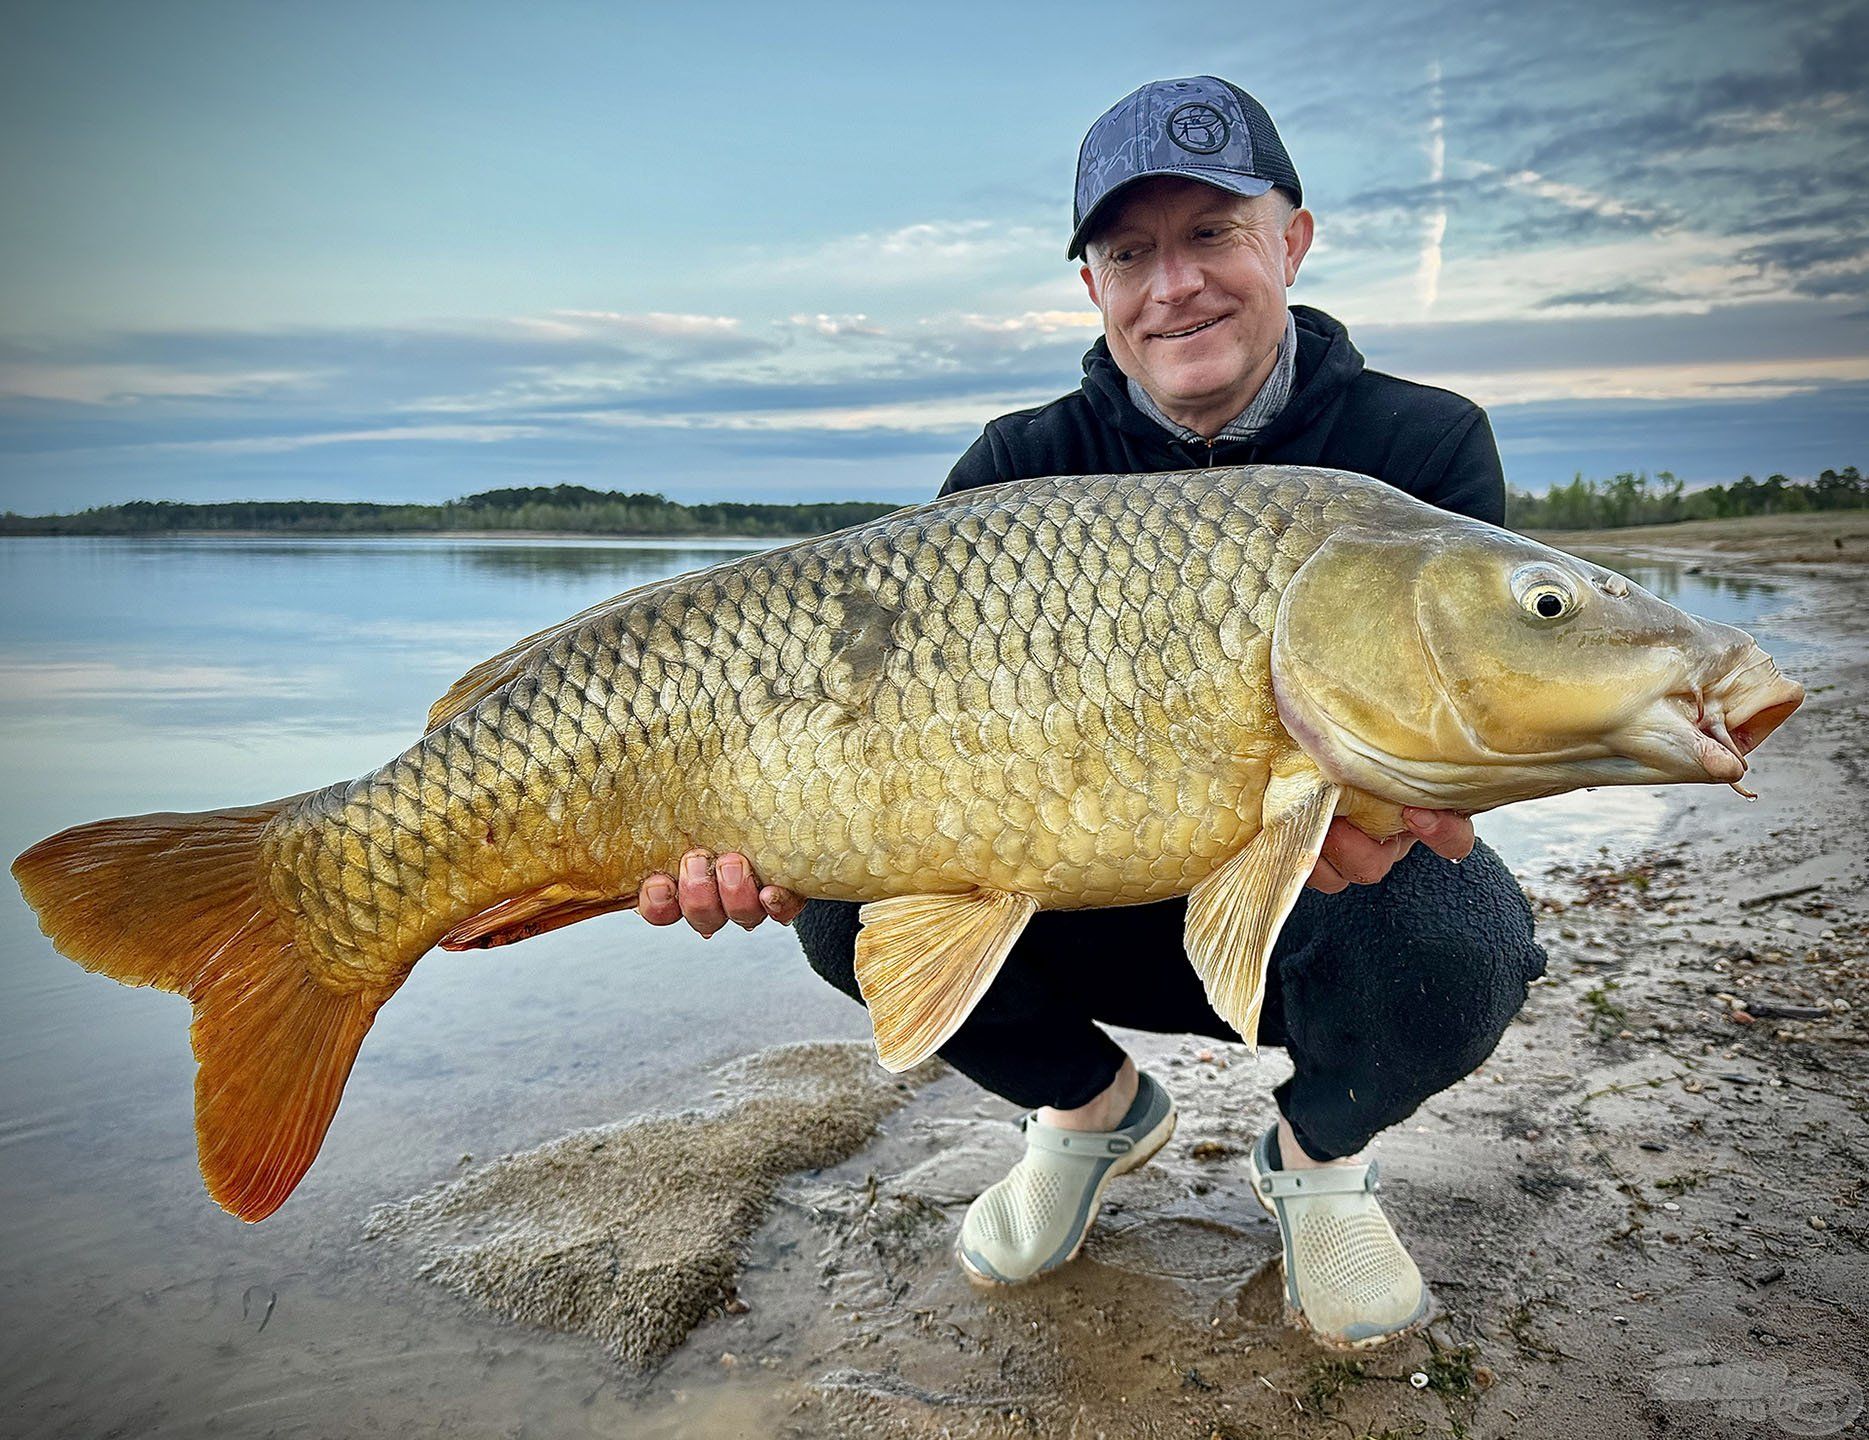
924, 961
1234, 915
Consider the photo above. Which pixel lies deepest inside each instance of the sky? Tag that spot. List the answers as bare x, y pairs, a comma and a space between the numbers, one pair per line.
408, 251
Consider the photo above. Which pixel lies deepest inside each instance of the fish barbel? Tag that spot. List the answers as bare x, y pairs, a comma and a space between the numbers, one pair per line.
1051, 693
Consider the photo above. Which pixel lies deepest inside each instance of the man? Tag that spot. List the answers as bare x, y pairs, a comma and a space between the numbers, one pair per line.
1400, 967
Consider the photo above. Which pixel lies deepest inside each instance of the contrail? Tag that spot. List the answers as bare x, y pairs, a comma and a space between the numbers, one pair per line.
1428, 280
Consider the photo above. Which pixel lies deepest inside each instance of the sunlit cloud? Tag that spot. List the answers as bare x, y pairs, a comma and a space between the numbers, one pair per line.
1578, 197
940, 416
834, 326
1737, 381
584, 324
1032, 322
910, 255
397, 434
121, 384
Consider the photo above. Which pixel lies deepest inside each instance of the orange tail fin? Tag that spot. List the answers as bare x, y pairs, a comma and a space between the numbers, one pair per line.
175, 901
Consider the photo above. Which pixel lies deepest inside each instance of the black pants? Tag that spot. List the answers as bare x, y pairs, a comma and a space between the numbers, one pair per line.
1382, 995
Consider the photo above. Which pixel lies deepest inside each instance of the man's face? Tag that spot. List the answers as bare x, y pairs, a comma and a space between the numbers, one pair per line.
1191, 281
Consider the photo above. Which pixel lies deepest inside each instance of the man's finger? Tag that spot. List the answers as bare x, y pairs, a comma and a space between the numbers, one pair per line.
1357, 858
657, 902
1324, 877
781, 904
739, 890
700, 897
1446, 833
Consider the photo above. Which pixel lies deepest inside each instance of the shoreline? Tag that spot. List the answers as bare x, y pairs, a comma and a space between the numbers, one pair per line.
1823, 537
1809, 538
586, 536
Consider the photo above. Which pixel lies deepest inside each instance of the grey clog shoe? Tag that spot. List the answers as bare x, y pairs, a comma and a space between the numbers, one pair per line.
1037, 1217
1347, 1278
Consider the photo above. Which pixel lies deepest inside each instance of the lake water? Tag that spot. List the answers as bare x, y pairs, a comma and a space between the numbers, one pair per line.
186, 674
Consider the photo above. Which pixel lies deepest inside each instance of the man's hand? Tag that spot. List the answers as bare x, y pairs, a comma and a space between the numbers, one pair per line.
1351, 858
713, 891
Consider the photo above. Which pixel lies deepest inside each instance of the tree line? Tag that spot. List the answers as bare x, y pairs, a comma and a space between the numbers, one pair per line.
1631, 499
1628, 499
574, 508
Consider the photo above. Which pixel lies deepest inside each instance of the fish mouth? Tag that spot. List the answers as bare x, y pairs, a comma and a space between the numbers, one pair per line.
1731, 718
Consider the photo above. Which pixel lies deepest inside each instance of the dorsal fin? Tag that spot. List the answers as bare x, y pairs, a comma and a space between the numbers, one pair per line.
490, 674
497, 670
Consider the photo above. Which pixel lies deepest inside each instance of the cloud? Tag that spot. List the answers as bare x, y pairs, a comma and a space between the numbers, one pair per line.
1819, 265
441, 366
127, 384
1032, 322
1577, 197
918, 254
1711, 380
1560, 136
654, 326
835, 327
939, 416
393, 434
1630, 294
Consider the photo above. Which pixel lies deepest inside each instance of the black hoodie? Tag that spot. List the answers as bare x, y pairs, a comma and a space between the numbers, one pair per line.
1432, 443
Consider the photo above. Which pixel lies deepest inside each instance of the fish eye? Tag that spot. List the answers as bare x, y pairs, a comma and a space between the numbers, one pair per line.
1544, 593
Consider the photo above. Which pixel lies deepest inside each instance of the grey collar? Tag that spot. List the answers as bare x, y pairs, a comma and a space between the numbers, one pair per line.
1261, 412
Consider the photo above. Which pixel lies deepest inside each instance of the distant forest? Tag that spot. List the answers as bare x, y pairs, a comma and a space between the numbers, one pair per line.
1637, 500
572, 508
1583, 504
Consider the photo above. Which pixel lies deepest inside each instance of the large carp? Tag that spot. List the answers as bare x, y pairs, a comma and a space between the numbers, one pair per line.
1047, 694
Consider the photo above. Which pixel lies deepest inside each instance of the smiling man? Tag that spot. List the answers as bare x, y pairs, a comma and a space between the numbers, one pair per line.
1402, 963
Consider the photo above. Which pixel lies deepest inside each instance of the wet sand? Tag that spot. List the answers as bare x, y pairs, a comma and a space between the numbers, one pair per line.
1644, 1213
1824, 537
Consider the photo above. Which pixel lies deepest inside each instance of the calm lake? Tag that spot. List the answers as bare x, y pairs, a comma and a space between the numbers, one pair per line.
190, 674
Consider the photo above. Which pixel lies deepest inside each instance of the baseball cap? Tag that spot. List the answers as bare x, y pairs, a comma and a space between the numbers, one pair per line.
1202, 128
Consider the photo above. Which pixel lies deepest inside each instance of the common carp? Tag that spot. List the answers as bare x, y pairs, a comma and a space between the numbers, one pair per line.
1051, 693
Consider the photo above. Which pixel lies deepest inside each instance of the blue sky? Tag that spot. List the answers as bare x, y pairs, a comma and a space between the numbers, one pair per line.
407, 251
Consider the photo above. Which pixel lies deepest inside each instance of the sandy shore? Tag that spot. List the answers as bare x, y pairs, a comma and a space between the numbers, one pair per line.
1830, 537
1644, 1214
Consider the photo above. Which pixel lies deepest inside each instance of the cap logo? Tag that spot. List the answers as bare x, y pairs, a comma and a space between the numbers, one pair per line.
1197, 128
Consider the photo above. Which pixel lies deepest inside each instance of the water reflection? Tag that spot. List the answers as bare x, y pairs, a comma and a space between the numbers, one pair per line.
250, 636
1689, 585
624, 568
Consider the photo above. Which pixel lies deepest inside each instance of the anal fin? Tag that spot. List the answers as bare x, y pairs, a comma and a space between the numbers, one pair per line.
522, 916
924, 961
1235, 914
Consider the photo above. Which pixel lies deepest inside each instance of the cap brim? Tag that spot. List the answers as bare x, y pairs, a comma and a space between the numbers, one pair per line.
1250, 186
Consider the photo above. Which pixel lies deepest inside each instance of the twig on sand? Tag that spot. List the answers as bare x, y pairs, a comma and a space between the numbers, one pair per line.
1757, 900
1623, 1087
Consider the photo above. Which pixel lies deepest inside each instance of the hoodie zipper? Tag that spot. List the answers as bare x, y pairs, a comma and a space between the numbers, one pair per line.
1193, 455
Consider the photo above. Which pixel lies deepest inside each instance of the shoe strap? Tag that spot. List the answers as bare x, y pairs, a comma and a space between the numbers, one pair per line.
1088, 1144
1329, 1180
